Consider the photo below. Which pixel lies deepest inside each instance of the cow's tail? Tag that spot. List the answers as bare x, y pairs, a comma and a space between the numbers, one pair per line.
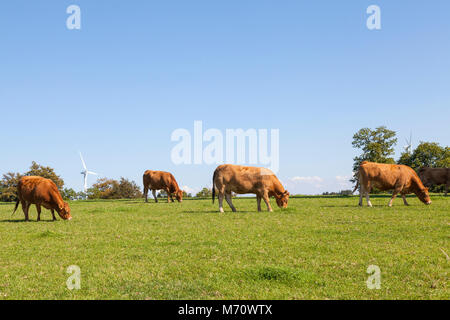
213, 188
357, 175
357, 186
15, 208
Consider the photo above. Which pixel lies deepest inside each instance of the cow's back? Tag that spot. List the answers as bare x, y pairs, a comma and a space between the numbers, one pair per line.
386, 176
159, 179
435, 176
243, 179
36, 189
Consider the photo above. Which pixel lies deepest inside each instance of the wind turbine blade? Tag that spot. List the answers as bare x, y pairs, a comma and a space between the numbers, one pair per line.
90, 172
82, 160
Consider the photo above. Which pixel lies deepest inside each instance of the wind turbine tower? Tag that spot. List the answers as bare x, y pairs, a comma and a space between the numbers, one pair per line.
85, 173
408, 147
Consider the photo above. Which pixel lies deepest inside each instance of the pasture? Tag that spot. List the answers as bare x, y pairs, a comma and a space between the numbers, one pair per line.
318, 248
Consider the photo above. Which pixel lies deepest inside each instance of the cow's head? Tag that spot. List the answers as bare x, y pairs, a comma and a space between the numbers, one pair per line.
424, 196
282, 199
64, 211
179, 195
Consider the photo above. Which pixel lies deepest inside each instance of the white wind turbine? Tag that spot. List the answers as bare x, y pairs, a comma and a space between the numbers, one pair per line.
85, 173
408, 147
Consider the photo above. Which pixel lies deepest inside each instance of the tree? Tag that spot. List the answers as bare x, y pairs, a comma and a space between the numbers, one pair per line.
128, 189
8, 186
186, 195
376, 145
102, 189
204, 193
45, 172
112, 189
344, 193
69, 194
427, 154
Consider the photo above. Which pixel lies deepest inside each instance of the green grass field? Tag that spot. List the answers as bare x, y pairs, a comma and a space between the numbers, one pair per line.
318, 248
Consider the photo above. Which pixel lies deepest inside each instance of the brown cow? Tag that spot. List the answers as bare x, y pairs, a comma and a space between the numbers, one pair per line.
230, 178
160, 180
41, 192
400, 178
435, 176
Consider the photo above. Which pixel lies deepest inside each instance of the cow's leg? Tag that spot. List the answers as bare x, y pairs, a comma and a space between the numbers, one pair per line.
168, 195
446, 188
146, 193
25, 207
171, 198
369, 204
394, 195
361, 193
364, 191
404, 200
28, 211
38, 208
221, 196
258, 201
53, 214
154, 195
230, 203
266, 200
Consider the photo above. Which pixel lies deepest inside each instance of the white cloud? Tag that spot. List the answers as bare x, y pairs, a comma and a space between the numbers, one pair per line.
318, 185
344, 181
189, 190
314, 179
306, 182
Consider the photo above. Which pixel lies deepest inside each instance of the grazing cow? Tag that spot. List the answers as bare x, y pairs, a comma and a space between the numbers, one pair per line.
160, 180
41, 192
230, 178
435, 176
400, 178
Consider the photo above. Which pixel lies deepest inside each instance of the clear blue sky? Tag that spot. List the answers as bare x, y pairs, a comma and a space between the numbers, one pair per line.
137, 70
